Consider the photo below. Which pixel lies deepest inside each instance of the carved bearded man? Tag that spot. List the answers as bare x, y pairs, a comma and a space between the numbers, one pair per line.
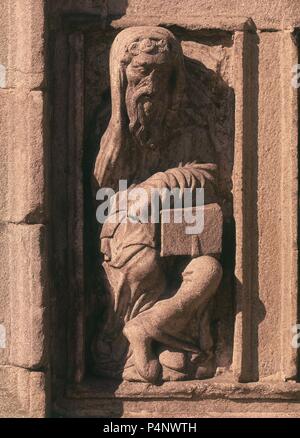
157, 324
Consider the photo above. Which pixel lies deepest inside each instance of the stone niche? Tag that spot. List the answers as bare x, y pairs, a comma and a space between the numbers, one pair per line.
238, 71
210, 56
226, 60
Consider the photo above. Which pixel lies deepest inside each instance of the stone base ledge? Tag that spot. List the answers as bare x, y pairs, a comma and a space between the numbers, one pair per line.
210, 398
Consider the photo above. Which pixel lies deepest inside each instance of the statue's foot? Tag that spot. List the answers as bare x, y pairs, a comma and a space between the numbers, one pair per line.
130, 374
147, 365
173, 364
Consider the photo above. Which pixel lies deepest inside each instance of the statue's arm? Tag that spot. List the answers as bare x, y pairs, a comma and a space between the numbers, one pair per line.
113, 162
191, 176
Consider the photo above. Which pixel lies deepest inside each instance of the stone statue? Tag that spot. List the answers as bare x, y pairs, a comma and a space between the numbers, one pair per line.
157, 323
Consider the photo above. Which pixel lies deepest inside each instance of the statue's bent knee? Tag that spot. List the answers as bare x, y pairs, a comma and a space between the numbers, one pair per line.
144, 264
203, 271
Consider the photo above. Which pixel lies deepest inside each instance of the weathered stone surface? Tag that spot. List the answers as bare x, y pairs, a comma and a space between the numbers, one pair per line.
24, 289
267, 14
24, 56
32, 392
289, 205
253, 159
259, 142
10, 406
175, 239
160, 99
4, 295
22, 393
24, 153
269, 210
219, 398
28, 285
23, 146
5, 100
4, 44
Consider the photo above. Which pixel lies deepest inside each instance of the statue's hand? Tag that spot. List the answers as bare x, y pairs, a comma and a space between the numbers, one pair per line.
109, 166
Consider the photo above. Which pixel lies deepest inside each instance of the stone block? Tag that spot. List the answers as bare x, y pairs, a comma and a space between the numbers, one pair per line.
4, 297
24, 153
22, 393
5, 102
26, 32
28, 286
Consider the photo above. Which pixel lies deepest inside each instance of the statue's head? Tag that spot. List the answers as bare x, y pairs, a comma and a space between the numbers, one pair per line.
147, 79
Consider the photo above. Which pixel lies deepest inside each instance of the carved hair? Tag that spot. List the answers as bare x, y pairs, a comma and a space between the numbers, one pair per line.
148, 45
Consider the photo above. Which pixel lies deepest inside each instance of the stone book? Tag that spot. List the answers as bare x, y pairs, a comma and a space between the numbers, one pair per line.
205, 239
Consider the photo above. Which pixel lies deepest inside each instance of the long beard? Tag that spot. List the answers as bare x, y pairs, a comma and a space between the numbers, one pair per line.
147, 127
